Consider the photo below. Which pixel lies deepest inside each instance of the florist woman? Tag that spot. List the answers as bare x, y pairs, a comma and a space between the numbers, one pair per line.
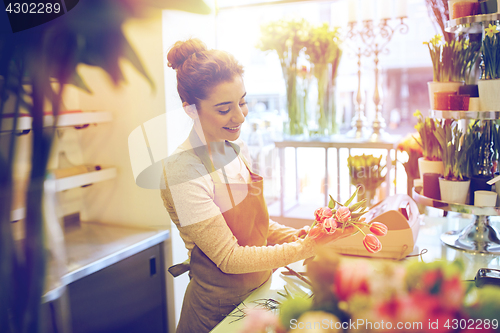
214, 198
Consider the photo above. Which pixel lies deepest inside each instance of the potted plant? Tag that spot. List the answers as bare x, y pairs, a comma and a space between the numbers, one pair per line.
287, 38
410, 146
431, 161
455, 148
489, 84
366, 174
35, 66
472, 48
447, 65
482, 164
324, 53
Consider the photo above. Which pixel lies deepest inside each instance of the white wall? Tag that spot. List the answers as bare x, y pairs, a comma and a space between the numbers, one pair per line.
134, 102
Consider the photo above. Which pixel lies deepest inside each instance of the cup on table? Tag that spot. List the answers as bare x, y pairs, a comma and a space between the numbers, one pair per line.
431, 185
485, 198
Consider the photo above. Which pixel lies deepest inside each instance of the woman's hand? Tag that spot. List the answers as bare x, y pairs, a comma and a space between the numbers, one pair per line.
325, 238
302, 232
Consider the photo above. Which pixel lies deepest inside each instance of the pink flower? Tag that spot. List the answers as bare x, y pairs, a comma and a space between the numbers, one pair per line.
316, 232
329, 226
350, 280
378, 228
453, 291
372, 243
323, 213
343, 214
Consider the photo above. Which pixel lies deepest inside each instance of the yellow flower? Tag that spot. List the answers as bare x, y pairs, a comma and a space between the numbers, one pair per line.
436, 40
491, 30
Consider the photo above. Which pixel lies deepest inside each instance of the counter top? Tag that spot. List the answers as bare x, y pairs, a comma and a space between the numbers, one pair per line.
94, 246
428, 244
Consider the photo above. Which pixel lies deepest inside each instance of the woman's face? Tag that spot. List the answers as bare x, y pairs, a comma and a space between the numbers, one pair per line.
223, 112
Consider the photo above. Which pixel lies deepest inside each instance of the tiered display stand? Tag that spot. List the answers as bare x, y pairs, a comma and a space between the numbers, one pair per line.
479, 236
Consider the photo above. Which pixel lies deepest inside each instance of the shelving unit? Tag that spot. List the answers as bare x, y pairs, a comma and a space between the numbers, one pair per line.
71, 119
479, 236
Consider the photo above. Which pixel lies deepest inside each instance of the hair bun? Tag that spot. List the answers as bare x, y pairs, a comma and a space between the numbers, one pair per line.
182, 50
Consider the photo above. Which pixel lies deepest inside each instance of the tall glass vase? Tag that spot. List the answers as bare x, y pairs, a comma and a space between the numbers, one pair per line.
296, 123
321, 74
326, 112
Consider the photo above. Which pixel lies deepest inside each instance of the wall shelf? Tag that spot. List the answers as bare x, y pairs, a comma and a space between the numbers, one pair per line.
64, 120
484, 115
18, 214
472, 24
67, 183
85, 179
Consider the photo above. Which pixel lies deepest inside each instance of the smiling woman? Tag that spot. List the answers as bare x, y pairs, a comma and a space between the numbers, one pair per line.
232, 244
222, 114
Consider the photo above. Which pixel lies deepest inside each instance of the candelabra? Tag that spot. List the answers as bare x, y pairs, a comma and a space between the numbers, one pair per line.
374, 38
358, 123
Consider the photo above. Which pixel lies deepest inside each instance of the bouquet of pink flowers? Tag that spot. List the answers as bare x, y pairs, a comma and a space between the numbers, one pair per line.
360, 295
329, 219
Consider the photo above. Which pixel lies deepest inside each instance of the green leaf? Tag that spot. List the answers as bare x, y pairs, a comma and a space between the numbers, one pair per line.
352, 197
334, 201
357, 205
356, 215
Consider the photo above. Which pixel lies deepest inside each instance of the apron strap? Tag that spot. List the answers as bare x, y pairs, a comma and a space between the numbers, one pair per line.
238, 153
201, 151
179, 269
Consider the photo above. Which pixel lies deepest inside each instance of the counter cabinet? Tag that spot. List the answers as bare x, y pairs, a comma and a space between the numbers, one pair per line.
115, 285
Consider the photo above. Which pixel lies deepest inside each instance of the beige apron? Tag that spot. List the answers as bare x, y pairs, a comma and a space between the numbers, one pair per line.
211, 294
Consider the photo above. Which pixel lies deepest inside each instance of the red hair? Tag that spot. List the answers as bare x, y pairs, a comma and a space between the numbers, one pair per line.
199, 69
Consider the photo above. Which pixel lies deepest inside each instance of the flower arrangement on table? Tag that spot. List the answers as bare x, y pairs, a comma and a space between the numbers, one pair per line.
287, 38
327, 220
358, 295
366, 173
410, 146
324, 53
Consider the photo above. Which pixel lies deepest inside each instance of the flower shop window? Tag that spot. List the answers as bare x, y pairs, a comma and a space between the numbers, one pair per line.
405, 70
